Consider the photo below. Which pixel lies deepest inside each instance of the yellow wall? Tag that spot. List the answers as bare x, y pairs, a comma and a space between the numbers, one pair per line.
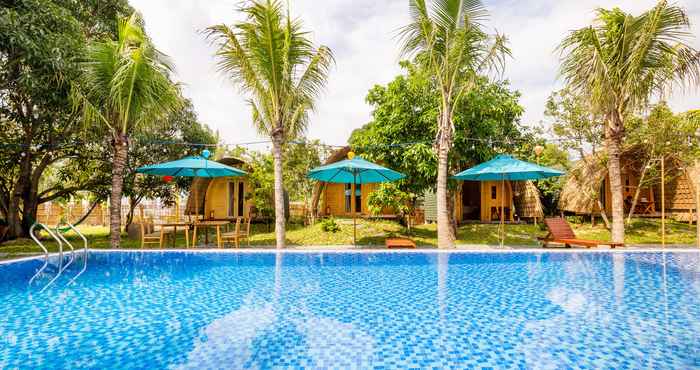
486, 201
333, 203
217, 199
504, 197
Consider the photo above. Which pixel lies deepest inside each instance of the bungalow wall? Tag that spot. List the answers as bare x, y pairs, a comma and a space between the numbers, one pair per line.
476, 201
482, 201
630, 182
336, 200
226, 197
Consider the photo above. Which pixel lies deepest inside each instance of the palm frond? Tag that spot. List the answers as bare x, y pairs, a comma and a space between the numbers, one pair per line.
621, 60
270, 57
126, 82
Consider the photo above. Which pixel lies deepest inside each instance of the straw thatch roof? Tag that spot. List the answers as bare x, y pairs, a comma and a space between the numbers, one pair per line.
526, 199
198, 190
582, 186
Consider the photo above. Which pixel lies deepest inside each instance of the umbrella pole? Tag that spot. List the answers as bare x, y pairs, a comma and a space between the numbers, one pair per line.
503, 210
354, 208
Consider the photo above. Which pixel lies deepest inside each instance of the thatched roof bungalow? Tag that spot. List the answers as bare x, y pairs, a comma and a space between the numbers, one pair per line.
480, 201
587, 187
475, 201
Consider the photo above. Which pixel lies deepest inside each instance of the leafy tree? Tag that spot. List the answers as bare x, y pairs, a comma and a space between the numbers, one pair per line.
402, 127
124, 87
299, 158
617, 64
41, 42
449, 41
573, 121
661, 136
389, 195
270, 57
261, 179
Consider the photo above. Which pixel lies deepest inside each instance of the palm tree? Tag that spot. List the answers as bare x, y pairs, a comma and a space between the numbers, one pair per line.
125, 86
618, 63
271, 59
448, 40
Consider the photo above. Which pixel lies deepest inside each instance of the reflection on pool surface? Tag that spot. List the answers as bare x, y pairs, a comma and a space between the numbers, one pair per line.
356, 310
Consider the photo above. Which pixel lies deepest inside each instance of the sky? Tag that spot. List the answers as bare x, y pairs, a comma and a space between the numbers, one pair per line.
362, 36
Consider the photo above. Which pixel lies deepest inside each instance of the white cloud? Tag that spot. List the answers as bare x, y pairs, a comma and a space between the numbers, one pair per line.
361, 34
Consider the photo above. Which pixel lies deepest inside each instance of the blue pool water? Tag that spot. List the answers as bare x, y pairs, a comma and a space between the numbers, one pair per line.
356, 310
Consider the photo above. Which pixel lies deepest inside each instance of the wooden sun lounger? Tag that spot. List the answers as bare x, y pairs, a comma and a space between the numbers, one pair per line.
400, 243
560, 232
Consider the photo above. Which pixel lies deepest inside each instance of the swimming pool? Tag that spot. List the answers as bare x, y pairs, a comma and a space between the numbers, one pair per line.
355, 310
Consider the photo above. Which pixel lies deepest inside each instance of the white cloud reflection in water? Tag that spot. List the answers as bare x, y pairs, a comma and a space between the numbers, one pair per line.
226, 342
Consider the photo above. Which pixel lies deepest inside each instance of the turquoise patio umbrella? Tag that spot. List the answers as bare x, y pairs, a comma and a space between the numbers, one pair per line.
192, 166
354, 170
505, 167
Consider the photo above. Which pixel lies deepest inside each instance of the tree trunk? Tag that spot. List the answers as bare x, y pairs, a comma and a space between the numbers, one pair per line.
14, 221
121, 150
451, 212
446, 237
133, 202
614, 148
697, 204
30, 204
637, 192
279, 192
604, 216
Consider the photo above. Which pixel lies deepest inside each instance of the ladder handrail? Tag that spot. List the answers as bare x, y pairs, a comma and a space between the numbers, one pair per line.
72, 250
85, 252
46, 252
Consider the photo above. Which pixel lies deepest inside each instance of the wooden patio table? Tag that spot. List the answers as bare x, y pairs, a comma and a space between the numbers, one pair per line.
175, 225
206, 224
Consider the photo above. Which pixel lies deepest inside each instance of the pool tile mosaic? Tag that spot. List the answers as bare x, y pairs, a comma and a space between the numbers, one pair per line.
177, 310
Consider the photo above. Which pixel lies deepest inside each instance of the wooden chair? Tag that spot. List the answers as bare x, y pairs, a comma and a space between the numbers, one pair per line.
241, 231
560, 232
150, 236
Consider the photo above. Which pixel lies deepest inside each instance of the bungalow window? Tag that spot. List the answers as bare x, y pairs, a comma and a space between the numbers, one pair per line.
493, 192
348, 198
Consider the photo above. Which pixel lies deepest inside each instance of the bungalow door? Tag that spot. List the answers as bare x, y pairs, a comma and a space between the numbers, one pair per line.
349, 198
236, 199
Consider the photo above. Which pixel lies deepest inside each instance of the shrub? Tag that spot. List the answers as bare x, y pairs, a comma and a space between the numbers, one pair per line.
329, 225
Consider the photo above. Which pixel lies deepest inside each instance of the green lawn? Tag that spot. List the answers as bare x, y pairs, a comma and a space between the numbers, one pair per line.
373, 233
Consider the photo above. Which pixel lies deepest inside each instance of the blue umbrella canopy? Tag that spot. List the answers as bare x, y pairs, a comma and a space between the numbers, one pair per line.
355, 170
505, 167
193, 166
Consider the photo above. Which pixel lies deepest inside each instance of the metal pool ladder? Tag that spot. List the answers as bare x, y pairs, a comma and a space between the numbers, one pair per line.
46, 253
57, 235
85, 250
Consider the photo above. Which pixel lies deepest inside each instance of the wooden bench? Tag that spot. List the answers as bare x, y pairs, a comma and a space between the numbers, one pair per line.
392, 243
560, 232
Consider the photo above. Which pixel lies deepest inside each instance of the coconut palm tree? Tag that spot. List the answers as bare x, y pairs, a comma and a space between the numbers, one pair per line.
125, 86
271, 59
618, 64
449, 41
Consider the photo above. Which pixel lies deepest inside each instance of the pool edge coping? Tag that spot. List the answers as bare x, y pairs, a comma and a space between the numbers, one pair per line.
371, 251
